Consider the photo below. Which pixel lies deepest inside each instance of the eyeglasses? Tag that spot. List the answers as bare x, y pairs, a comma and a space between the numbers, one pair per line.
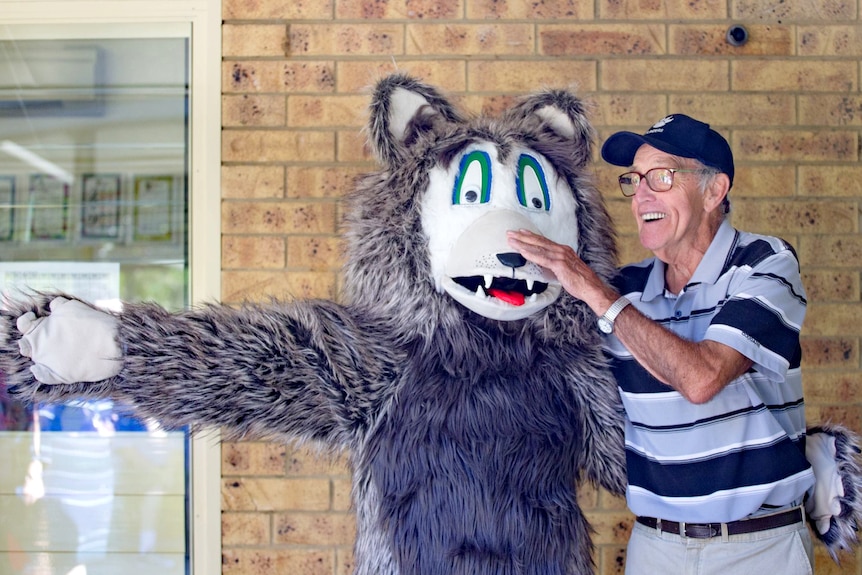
658, 180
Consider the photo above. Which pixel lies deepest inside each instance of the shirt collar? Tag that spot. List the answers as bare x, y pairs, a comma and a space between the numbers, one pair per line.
707, 270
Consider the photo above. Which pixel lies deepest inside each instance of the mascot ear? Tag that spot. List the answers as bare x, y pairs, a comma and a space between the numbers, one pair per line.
402, 109
562, 114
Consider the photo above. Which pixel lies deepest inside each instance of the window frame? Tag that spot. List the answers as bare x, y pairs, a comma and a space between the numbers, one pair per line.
203, 18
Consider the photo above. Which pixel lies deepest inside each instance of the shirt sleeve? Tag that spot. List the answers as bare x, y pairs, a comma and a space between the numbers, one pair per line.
763, 314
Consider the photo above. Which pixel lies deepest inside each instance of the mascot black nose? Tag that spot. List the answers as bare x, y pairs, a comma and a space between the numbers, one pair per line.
512, 259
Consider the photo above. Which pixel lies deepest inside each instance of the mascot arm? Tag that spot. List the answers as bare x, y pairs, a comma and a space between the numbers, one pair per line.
834, 504
299, 370
604, 453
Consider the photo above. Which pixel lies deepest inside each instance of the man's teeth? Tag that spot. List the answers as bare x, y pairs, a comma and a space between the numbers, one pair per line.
650, 216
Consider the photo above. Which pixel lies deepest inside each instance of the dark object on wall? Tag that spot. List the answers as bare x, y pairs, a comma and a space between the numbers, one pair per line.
737, 35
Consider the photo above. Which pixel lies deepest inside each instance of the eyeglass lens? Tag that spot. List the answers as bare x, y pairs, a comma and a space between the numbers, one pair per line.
658, 179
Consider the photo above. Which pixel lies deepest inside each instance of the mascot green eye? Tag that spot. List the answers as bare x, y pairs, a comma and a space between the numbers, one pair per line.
473, 183
532, 188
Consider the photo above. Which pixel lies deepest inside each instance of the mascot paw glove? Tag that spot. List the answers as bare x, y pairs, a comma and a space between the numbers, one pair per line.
76, 343
825, 502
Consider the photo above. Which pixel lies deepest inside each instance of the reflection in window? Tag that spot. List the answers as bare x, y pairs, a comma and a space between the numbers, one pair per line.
93, 202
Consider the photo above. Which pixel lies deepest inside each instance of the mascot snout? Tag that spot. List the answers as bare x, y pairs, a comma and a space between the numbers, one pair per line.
487, 277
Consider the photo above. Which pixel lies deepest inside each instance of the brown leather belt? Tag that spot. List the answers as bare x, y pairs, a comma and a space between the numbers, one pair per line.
709, 530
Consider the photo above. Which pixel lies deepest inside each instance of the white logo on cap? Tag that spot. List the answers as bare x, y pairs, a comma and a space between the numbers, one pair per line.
659, 126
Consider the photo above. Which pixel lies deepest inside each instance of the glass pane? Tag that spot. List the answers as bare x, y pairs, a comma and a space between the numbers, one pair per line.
93, 201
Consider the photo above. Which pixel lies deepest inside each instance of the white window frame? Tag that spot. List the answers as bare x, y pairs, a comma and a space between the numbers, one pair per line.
204, 18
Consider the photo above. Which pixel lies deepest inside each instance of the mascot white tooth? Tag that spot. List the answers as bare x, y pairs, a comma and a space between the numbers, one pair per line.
470, 391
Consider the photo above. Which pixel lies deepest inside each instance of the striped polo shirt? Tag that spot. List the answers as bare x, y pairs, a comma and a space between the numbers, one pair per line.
745, 448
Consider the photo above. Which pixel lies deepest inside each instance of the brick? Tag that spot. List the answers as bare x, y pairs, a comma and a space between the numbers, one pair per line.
309, 461
260, 76
271, 494
831, 284
253, 458
341, 494
352, 147
795, 145
784, 12
609, 501
313, 182
612, 528
344, 561
831, 387
795, 217
245, 528
849, 414
399, 9
830, 109
539, 10
833, 319
345, 39
601, 39
314, 253
830, 181
265, 252
277, 9
762, 181
326, 111
278, 217
650, 75
662, 9
359, 75
834, 250
821, 40
277, 146
314, 529
485, 39
793, 76
733, 109
830, 353
826, 566
251, 76
522, 76
252, 182
253, 111
711, 40
261, 286
612, 560
253, 40
634, 112
588, 496
268, 561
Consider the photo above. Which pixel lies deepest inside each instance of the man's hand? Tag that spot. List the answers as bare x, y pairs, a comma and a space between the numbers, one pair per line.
76, 343
576, 277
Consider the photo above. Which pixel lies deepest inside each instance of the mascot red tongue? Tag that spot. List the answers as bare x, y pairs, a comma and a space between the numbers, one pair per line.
472, 404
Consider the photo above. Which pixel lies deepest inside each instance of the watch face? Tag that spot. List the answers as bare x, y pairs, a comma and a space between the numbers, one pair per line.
605, 325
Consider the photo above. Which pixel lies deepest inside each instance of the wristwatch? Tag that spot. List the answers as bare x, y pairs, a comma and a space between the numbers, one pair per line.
606, 321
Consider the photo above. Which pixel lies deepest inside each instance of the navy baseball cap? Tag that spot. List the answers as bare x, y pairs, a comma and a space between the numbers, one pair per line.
678, 135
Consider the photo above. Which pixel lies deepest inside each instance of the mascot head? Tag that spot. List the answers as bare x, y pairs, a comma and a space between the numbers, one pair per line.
426, 235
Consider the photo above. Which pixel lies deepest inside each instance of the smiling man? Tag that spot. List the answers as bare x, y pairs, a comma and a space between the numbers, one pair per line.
704, 342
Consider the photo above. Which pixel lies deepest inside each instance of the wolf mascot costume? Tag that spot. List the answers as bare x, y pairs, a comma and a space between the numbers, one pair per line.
470, 391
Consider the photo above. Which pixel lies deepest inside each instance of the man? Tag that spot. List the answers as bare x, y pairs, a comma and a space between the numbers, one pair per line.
704, 342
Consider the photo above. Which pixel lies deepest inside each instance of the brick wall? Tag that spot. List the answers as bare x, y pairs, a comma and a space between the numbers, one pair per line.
294, 98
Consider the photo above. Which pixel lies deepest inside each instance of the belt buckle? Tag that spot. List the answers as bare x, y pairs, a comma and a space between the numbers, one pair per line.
702, 530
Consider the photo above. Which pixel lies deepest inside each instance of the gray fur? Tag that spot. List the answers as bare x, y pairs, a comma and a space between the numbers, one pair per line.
467, 436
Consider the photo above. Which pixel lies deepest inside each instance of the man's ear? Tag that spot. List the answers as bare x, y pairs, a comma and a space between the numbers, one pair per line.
715, 192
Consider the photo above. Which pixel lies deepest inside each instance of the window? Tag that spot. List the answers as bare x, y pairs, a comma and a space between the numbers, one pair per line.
108, 189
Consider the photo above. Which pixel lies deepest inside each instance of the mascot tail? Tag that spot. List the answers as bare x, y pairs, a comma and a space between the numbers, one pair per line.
834, 506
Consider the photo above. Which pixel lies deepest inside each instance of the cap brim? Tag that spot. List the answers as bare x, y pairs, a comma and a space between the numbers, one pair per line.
620, 148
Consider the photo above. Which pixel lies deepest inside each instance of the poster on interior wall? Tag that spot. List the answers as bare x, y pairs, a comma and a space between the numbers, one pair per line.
7, 211
100, 206
153, 196
48, 207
